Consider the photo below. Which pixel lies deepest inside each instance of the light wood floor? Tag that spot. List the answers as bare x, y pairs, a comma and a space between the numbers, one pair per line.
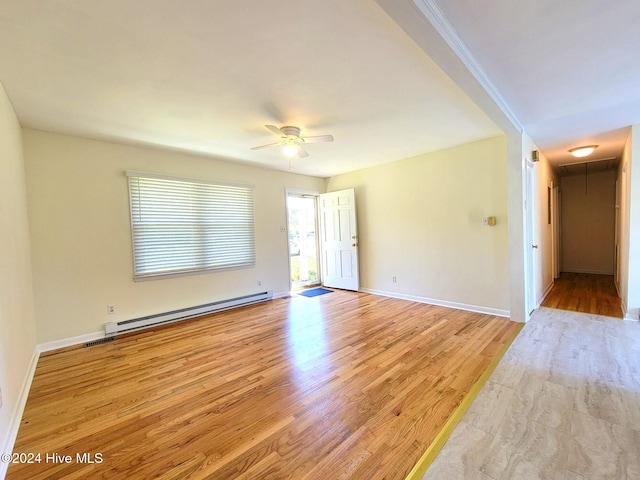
344, 385
580, 292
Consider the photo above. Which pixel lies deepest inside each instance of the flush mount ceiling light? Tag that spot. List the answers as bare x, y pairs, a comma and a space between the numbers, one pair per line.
583, 151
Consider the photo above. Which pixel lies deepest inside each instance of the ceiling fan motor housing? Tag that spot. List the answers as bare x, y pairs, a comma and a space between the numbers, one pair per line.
290, 131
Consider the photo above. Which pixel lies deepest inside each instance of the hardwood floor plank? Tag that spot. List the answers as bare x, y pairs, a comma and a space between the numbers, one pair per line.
586, 293
346, 385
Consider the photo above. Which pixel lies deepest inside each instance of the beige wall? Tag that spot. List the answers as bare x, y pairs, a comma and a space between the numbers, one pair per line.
81, 240
17, 327
588, 213
420, 219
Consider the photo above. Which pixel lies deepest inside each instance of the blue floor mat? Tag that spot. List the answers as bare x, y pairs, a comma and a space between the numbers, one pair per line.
314, 292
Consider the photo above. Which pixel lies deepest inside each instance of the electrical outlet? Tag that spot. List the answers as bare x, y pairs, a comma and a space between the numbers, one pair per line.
111, 309
394, 279
259, 283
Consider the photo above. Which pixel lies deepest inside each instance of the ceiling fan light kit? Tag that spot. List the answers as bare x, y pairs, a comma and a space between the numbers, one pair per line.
292, 141
583, 151
290, 150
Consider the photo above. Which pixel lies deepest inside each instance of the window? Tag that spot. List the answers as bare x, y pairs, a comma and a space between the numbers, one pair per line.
189, 226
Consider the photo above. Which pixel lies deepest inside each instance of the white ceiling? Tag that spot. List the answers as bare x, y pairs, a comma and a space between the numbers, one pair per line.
569, 70
205, 76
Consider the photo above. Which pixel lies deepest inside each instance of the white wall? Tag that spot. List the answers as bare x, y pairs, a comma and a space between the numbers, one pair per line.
420, 219
17, 326
622, 201
629, 228
519, 274
588, 223
542, 177
81, 240
633, 293
545, 179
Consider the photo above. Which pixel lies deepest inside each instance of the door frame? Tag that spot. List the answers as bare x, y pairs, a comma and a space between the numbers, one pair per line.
316, 195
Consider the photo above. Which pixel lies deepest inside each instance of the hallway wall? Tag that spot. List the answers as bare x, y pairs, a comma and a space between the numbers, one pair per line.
628, 280
544, 178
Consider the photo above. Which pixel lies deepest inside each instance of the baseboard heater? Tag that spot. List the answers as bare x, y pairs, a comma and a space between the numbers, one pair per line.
126, 326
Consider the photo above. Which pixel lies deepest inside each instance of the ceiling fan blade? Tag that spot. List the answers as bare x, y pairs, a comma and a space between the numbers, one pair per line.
265, 146
318, 138
301, 151
275, 130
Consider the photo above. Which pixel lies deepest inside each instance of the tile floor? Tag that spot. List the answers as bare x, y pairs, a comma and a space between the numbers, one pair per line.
563, 403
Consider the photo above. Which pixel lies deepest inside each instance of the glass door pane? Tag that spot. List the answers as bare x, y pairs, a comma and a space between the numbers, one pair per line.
303, 240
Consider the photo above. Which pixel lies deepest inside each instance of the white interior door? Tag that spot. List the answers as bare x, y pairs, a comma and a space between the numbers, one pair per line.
530, 240
339, 235
556, 233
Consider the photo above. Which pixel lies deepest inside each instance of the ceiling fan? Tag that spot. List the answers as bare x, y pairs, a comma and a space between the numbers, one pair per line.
292, 141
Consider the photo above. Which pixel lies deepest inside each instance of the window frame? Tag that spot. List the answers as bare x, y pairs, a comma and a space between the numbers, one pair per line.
190, 218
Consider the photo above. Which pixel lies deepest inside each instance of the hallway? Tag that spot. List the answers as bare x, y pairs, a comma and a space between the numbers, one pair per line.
581, 292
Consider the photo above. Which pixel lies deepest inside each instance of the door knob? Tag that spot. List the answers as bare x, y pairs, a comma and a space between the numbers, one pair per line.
534, 246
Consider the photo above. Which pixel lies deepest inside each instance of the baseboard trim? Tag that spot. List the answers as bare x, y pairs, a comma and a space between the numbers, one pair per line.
16, 416
629, 315
588, 272
90, 337
440, 303
545, 293
69, 342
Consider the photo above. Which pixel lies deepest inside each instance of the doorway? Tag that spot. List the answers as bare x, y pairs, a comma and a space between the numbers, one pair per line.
302, 212
585, 239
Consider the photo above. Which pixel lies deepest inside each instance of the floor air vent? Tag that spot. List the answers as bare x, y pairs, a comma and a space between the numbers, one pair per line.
115, 328
98, 342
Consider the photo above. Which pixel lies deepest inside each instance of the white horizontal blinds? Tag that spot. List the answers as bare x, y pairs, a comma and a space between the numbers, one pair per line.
189, 226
